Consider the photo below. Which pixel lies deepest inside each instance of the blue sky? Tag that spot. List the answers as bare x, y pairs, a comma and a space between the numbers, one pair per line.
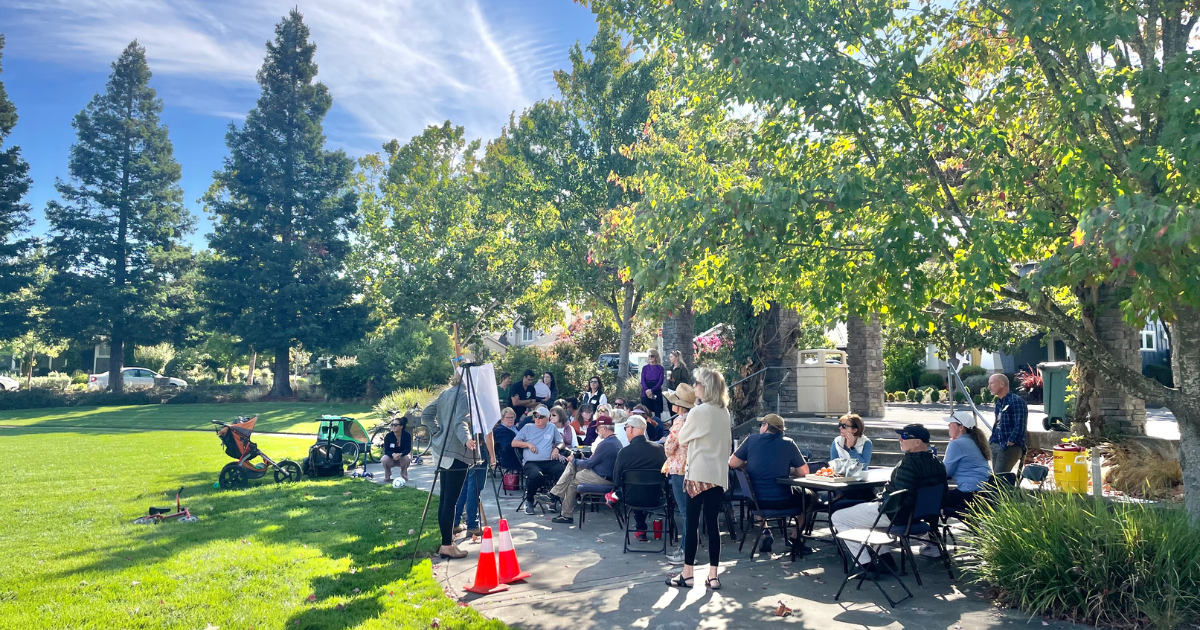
393, 66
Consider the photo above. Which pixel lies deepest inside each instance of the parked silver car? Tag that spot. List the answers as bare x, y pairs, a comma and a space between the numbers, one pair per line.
135, 378
9, 384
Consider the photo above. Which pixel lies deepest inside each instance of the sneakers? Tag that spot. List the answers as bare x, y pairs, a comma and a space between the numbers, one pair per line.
611, 498
641, 537
930, 551
767, 542
529, 508
675, 558
546, 497
562, 519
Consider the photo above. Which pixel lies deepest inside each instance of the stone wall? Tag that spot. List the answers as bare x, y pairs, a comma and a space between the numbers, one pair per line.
779, 351
865, 357
1120, 414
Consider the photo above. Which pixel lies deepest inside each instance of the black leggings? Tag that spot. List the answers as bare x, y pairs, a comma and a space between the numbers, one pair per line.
452, 485
710, 501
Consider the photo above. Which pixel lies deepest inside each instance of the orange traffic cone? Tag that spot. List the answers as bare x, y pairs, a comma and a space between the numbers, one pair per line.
485, 573
510, 569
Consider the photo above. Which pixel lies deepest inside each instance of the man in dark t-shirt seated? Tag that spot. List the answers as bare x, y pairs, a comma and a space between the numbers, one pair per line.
767, 456
523, 398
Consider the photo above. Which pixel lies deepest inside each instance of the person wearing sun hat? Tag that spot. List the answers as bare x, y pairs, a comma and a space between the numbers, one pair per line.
919, 469
682, 400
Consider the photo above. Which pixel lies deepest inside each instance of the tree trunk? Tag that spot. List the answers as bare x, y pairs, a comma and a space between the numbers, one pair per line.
116, 362
29, 371
229, 370
282, 387
626, 324
253, 363
1185, 360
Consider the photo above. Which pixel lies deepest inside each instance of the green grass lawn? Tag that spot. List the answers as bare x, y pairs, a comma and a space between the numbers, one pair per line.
324, 554
272, 416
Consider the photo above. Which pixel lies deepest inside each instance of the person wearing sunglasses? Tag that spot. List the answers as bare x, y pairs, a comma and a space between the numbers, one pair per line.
540, 441
594, 395
397, 449
919, 469
619, 403
851, 443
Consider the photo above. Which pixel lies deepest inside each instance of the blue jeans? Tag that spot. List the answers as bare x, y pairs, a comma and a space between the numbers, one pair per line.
681, 505
468, 500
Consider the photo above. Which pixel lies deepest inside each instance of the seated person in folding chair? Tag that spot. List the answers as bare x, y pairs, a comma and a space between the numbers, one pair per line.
767, 456
503, 434
917, 470
967, 457
640, 454
597, 469
542, 461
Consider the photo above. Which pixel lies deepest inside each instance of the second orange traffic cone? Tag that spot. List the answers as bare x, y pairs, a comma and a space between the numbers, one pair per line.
486, 580
510, 569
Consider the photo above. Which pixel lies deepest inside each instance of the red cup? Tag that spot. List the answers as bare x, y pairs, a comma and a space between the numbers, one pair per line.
658, 529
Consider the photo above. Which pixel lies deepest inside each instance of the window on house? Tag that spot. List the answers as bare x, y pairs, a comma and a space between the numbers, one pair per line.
102, 351
1149, 340
527, 334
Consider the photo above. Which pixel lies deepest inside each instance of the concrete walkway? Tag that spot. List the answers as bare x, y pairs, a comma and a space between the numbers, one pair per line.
582, 581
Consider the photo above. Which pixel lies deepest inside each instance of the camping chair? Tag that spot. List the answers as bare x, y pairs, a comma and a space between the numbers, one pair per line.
644, 489
766, 516
871, 539
1035, 473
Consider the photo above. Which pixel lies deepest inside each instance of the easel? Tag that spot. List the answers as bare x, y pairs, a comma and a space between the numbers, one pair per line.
467, 381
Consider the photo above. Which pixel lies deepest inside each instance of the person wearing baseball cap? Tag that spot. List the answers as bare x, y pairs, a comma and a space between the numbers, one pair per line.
640, 454
597, 469
540, 461
919, 469
767, 456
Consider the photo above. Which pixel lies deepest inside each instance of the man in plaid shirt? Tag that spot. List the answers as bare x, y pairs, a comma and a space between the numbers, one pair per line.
1008, 434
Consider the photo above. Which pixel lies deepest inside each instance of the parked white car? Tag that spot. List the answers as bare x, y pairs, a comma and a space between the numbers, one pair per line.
135, 378
9, 384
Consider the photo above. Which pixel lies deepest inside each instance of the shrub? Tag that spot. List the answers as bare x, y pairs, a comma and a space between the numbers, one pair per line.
32, 399
79, 377
1160, 373
404, 399
1061, 555
932, 379
892, 397
934, 395
54, 381
959, 397
902, 364
154, 357
1137, 470
914, 396
976, 384
1029, 383
968, 371
944, 395
345, 382
978, 399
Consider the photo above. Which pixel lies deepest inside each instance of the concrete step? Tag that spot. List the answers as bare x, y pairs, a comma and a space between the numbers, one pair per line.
875, 432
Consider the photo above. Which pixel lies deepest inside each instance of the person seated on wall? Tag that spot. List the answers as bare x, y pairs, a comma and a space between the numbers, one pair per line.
767, 456
919, 469
597, 469
541, 460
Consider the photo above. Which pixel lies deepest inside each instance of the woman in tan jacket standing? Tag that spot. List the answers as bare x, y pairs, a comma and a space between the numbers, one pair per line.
709, 441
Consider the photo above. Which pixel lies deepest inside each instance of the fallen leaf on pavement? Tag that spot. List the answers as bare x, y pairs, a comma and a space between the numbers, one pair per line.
783, 610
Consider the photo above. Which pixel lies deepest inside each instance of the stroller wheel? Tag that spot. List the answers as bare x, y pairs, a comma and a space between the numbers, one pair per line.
145, 520
232, 476
288, 471
188, 519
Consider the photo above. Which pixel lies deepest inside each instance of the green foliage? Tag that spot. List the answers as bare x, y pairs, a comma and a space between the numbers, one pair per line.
890, 397
571, 367
115, 236
977, 384
959, 397
1063, 556
402, 400
913, 395
79, 377
404, 354
14, 219
903, 364
155, 357
931, 379
935, 395
54, 381
967, 371
284, 211
345, 383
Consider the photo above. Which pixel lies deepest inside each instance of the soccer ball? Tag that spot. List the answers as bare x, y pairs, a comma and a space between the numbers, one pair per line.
399, 482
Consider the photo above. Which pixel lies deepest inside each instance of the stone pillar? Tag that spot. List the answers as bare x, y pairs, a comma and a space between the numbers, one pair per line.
678, 331
778, 350
1120, 414
864, 351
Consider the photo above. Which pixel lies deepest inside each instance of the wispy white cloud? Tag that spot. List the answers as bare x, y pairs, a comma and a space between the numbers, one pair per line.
393, 66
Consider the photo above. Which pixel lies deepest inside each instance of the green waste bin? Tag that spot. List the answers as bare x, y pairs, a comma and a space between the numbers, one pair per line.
1054, 394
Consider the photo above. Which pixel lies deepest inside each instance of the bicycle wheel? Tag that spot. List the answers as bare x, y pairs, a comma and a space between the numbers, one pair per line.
420, 433
374, 451
350, 453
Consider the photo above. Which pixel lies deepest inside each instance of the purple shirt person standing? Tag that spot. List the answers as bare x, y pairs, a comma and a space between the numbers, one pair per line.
653, 377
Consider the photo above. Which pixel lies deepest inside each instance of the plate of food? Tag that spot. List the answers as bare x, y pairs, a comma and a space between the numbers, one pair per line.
827, 474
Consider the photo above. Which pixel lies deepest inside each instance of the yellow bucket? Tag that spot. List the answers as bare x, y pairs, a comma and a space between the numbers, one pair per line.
1071, 468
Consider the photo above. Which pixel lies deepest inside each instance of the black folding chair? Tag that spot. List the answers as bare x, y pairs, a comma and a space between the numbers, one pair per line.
922, 527
645, 490
591, 495
870, 541
766, 517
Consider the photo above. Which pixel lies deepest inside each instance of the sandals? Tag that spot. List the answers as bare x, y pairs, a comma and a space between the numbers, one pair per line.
678, 581
709, 584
